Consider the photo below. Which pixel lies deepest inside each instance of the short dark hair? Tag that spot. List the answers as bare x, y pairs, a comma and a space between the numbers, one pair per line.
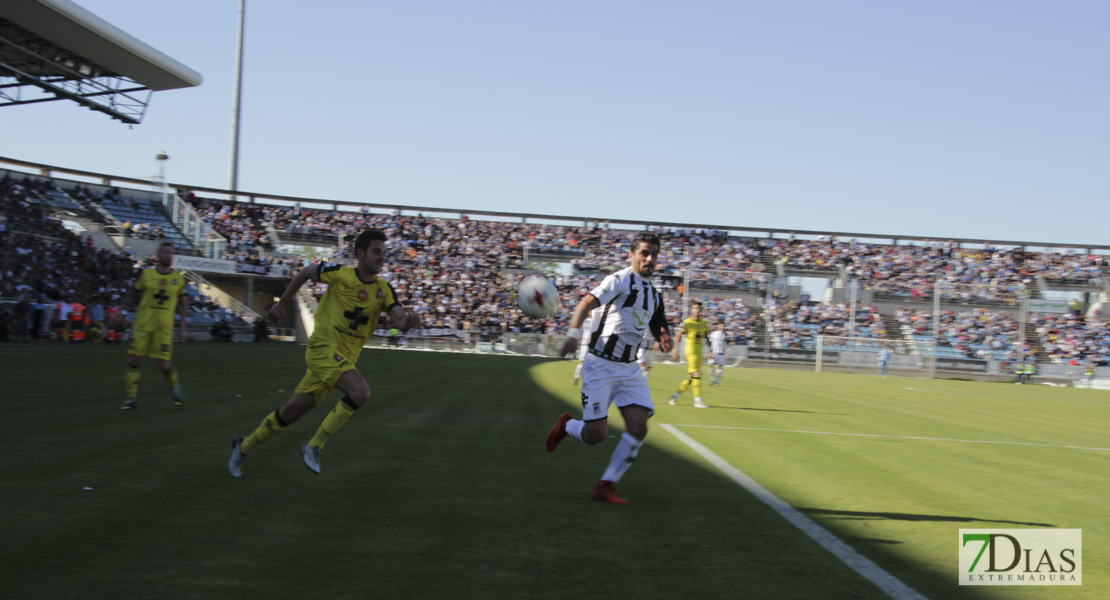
165, 243
696, 303
364, 238
644, 238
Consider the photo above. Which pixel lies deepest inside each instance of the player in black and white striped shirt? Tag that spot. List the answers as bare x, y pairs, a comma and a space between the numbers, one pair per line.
624, 306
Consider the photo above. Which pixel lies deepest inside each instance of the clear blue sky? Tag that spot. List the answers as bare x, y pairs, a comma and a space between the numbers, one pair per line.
969, 118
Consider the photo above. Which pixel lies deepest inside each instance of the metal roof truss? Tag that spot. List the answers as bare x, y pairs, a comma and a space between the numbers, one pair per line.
44, 72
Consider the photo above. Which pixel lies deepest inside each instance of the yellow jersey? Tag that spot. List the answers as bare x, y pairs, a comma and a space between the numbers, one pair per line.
694, 331
348, 313
158, 303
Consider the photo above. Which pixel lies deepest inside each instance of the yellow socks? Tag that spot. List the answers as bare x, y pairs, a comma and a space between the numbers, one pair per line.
267, 430
335, 419
131, 381
171, 377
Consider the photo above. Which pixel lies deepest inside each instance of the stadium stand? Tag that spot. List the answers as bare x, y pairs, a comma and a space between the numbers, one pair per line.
462, 272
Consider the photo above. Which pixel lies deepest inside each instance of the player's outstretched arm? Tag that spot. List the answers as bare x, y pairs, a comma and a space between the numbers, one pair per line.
586, 305
403, 319
309, 272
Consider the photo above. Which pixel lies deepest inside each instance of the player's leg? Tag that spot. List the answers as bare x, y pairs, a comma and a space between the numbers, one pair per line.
161, 350
682, 387
694, 363
170, 374
276, 422
357, 393
136, 351
273, 424
596, 392
309, 392
693, 379
634, 402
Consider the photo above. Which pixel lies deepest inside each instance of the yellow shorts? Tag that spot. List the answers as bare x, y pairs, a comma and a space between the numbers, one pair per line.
693, 363
155, 344
325, 366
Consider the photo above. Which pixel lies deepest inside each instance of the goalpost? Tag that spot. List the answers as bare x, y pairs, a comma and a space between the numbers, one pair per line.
907, 358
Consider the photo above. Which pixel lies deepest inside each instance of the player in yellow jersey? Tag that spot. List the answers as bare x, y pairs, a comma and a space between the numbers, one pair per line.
345, 319
161, 289
694, 331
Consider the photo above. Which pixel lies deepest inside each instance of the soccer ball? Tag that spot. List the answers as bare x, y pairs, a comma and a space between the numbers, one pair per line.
537, 296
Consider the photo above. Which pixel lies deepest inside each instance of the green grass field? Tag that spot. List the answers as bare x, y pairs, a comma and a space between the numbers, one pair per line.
440, 487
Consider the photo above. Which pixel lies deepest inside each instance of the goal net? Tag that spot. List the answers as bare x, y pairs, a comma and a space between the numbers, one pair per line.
903, 358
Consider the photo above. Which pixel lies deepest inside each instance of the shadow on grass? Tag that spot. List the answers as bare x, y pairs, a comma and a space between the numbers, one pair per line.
856, 515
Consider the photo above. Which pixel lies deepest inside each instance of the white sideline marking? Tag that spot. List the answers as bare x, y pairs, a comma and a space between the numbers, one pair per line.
899, 437
860, 564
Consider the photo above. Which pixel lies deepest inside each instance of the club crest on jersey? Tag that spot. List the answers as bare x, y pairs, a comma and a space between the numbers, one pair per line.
379, 294
362, 295
338, 358
173, 282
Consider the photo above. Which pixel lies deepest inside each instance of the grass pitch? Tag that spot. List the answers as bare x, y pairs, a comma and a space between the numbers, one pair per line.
440, 486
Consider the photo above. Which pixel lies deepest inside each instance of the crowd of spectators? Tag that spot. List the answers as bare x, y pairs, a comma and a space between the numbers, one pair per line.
1072, 337
462, 273
962, 274
797, 325
979, 333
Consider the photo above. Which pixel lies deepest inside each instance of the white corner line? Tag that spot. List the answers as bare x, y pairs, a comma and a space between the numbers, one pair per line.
860, 564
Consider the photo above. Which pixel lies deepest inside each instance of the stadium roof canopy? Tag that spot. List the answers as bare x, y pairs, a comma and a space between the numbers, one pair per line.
56, 50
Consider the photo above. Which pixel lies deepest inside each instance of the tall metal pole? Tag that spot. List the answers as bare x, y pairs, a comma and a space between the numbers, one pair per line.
936, 328
685, 293
852, 309
236, 103
1023, 316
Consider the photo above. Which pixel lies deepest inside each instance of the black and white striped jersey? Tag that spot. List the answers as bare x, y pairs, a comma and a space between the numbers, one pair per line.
630, 307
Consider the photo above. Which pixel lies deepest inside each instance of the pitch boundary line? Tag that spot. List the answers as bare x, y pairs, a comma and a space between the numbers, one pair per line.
897, 437
888, 583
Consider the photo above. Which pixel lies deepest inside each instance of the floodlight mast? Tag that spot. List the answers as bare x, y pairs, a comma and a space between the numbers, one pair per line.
162, 157
236, 104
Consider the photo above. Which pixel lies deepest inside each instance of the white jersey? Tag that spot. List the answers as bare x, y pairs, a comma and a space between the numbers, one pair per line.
630, 307
717, 343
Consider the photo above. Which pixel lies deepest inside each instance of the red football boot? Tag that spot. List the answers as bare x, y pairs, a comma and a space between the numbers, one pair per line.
605, 492
558, 432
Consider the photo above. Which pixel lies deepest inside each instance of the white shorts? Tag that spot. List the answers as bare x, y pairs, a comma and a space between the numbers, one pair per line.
606, 382
718, 360
643, 356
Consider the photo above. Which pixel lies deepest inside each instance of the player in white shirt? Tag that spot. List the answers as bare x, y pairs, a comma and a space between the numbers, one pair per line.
718, 345
624, 306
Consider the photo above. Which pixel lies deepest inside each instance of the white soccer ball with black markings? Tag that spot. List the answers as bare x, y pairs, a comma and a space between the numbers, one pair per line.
537, 297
